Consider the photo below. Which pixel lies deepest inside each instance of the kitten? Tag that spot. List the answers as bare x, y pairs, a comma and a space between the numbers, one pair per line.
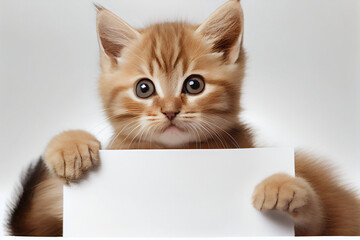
176, 85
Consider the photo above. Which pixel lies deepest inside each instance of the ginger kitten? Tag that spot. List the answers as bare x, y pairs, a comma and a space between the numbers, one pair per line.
176, 85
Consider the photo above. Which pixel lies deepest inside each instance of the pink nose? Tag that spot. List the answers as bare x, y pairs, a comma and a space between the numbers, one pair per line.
170, 115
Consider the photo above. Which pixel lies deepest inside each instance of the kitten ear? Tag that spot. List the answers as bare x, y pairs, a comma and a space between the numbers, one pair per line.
113, 33
224, 29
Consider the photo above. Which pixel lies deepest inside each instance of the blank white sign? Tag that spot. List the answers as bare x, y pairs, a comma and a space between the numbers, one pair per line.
176, 193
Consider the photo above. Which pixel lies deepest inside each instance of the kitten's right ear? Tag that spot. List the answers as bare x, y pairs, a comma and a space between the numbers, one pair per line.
114, 34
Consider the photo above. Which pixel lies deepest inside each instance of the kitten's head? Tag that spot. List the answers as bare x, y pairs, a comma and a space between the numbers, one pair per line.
172, 83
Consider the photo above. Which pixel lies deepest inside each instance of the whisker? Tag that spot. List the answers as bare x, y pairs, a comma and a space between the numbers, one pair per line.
101, 122
228, 134
216, 133
134, 128
192, 131
141, 130
146, 130
149, 130
207, 141
198, 131
210, 133
152, 134
118, 134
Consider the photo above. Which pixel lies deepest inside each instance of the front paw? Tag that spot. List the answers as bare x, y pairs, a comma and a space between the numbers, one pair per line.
71, 154
285, 193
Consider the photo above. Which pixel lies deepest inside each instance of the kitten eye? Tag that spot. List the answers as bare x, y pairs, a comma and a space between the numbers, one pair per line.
145, 88
194, 84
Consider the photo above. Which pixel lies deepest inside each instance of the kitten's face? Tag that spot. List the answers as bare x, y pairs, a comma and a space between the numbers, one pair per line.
169, 85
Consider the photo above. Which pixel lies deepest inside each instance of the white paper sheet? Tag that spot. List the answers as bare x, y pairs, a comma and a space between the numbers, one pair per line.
176, 193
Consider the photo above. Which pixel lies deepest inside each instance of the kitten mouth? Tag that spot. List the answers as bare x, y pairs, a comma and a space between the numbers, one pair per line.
172, 128
172, 136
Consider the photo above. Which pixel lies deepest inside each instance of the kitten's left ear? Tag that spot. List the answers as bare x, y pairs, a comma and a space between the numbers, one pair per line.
224, 29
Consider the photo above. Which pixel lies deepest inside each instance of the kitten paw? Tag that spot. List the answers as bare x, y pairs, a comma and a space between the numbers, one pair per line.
285, 193
71, 154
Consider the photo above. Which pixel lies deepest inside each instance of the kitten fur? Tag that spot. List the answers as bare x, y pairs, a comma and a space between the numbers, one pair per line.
167, 54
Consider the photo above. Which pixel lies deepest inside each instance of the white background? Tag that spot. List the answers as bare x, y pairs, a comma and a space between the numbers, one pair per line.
302, 88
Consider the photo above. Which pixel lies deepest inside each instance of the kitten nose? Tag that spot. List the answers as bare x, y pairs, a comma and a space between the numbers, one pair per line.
170, 115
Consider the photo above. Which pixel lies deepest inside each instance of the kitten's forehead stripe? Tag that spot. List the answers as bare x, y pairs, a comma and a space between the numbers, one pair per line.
179, 52
167, 50
185, 65
158, 59
177, 59
151, 67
